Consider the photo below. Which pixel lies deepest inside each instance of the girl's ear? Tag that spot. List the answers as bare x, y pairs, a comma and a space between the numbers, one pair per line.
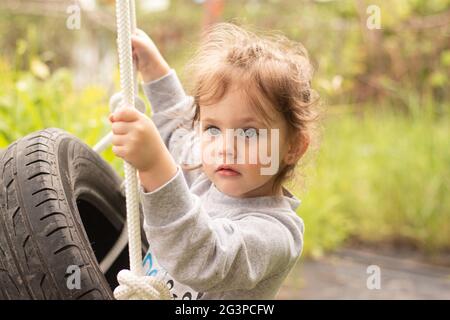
297, 148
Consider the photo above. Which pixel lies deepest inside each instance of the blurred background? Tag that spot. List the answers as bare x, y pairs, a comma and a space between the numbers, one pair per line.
374, 196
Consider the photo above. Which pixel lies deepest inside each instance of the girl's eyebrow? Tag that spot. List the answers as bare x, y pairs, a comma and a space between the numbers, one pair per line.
209, 120
250, 120
242, 121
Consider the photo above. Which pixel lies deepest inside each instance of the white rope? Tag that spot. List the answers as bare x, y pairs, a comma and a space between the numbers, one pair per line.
134, 287
132, 284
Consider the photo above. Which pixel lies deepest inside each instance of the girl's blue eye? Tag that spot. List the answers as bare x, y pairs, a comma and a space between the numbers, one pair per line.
248, 133
212, 131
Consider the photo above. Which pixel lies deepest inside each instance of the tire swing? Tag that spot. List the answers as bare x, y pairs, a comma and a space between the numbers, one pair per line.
63, 212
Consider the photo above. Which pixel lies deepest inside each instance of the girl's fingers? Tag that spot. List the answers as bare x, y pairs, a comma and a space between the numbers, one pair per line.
126, 114
119, 151
137, 42
139, 31
118, 140
119, 128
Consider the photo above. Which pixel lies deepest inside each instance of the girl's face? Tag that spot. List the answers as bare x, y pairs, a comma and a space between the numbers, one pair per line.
233, 135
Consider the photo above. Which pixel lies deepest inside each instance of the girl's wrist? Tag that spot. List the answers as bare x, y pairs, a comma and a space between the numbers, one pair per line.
163, 170
155, 71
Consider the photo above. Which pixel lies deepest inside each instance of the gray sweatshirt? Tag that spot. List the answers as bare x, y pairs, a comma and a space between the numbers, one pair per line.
203, 243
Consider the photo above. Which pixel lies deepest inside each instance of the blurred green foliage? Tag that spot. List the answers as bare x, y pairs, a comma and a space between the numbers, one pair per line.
28, 103
406, 61
380, 178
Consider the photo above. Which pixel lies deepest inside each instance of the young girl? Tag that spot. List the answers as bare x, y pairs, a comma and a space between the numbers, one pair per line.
224, 229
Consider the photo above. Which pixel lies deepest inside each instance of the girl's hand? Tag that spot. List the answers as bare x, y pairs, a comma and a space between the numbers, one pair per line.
149, 61
137, 141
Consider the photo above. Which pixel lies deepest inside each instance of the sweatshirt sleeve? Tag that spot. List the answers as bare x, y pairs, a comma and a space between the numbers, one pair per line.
172, 114
217, 254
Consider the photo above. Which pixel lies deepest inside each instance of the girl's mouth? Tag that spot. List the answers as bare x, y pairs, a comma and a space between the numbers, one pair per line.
227, 171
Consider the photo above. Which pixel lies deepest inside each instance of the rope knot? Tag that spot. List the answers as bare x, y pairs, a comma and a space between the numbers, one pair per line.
134, 287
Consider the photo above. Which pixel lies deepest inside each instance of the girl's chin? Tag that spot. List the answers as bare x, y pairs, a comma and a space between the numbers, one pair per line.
230, 189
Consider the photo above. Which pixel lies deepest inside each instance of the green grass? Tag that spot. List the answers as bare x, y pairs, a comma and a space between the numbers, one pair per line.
378, 177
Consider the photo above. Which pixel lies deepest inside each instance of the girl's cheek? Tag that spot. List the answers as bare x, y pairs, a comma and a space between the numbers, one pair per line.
269, 155
208, 152
253, 151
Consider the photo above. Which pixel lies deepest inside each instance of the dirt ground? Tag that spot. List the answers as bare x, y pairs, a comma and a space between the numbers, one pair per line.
344, 274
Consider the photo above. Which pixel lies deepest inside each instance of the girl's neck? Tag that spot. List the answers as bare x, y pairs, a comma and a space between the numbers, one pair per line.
264, 190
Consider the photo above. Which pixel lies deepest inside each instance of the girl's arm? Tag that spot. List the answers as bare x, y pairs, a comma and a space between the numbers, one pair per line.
172, 115
149, 61
137, 140
217, 254
146, 143
171, 107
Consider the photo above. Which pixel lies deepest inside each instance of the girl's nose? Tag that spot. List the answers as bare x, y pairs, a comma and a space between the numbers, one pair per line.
227, 145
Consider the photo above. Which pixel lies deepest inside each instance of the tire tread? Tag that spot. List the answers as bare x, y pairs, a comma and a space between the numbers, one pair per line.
25, 237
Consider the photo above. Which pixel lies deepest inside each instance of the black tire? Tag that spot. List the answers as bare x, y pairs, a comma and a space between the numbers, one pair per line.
57, 197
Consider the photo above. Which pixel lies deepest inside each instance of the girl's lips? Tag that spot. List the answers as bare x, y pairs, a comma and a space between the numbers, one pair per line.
227, 171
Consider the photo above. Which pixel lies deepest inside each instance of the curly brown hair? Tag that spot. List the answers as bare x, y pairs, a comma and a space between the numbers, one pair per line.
271, 69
